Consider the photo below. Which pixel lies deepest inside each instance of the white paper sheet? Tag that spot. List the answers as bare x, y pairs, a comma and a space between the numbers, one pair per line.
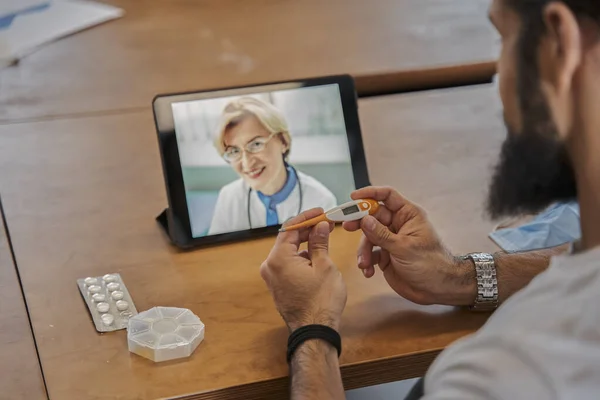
25, 25
8, 7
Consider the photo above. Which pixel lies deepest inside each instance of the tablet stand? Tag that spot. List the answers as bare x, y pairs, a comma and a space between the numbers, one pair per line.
163, 220
172, 227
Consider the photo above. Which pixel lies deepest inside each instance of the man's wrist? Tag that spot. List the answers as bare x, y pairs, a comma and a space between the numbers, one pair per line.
329, 322
317, 345
315, 348
464, 276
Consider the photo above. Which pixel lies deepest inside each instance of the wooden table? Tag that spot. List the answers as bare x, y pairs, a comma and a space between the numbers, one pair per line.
179, 45
20, 373
81, 196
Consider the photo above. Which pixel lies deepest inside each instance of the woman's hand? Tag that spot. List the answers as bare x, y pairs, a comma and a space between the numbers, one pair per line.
414, 261
306, 286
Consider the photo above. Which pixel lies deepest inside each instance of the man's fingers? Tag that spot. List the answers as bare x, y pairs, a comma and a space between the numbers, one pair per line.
363, 254
376, 256
351, 226
384, 260
365, 248
308, 214
369, 272
304, 254
367, 255
318, 241
389, 196
377, 233
295, 237
383, 215
305, 233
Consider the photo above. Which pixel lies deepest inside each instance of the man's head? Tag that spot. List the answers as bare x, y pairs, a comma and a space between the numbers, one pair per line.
548, 71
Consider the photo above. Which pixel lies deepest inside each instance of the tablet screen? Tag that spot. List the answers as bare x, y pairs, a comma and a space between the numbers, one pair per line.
255, 160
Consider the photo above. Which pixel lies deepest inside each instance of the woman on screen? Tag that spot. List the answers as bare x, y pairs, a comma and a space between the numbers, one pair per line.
254, 140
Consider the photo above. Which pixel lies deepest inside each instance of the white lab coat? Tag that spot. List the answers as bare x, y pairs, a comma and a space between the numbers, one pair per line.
231, 210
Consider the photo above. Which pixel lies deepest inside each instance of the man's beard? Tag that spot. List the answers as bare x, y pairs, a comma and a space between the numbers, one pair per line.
534, 169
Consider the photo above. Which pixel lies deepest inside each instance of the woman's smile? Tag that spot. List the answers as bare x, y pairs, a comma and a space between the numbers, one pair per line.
254, 173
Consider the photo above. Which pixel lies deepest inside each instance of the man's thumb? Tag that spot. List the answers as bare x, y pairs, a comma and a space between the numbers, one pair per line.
376, 232
318, 240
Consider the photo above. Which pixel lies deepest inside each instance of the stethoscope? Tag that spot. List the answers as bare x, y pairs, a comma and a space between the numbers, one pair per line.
299, 191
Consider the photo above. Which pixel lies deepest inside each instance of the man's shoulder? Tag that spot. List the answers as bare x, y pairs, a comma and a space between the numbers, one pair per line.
487, 365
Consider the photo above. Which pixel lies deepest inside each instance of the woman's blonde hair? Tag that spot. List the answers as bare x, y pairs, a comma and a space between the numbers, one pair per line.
268, 115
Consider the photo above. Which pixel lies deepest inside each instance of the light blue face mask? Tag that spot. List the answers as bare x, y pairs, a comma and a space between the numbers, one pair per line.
557, 225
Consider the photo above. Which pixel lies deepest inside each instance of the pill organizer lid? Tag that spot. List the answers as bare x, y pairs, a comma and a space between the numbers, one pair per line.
164, 333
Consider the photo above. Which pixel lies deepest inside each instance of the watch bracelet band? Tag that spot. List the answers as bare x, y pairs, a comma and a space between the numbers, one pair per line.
487, 281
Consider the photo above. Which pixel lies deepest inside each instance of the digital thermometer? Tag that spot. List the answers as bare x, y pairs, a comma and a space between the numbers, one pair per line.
351, 211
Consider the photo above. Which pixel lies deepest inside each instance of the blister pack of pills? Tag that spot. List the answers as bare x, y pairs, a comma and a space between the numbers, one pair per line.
108, 301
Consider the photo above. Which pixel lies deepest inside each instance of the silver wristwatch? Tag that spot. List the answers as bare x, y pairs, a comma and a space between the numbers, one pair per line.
487, 282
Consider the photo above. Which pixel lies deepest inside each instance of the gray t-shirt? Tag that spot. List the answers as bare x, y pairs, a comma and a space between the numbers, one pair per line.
542, 343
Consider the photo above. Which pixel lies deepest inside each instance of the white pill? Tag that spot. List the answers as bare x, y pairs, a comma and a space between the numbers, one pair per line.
103, 307
90, 281
95, 289
99, 297
122, 305
117, 295
107, 319
113, 286
109, 278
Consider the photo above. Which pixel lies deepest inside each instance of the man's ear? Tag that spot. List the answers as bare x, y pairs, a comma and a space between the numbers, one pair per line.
561, 49
559, 57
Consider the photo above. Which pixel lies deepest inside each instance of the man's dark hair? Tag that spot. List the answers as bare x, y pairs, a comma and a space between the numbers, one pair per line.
587, 8
532, 23
532, 30
531, 12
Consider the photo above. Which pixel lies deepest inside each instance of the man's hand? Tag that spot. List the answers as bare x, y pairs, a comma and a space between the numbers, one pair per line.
402, 242
306, 286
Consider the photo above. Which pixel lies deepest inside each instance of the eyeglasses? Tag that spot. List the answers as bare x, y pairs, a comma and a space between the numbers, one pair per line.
233, 154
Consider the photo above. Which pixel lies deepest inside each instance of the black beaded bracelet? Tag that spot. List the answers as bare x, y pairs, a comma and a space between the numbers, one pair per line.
309, 332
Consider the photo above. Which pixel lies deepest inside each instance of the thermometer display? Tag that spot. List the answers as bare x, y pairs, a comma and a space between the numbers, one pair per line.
351, 210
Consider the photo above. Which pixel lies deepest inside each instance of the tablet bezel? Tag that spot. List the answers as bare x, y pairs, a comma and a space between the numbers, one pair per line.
172, 169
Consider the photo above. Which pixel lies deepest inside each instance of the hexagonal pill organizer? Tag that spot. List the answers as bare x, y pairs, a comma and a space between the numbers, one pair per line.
164, 333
